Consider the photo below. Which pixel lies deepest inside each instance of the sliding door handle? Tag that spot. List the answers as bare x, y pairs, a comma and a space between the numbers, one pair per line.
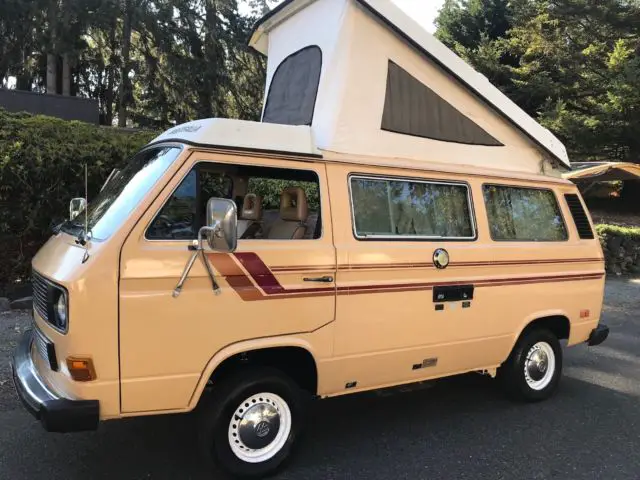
326, 279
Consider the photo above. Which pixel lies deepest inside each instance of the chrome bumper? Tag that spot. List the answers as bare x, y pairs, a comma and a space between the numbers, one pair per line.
56, 413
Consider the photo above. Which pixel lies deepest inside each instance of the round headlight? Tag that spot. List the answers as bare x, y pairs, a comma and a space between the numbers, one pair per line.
61, 311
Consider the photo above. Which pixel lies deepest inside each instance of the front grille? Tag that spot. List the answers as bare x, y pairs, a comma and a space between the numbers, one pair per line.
45, 349
40, 295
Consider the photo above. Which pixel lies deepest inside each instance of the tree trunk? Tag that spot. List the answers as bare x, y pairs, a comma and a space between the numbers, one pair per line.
52, 71
66, 75
126, 54
52, 59
109, 95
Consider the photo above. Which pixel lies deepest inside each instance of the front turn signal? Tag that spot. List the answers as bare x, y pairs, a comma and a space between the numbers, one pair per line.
81, 369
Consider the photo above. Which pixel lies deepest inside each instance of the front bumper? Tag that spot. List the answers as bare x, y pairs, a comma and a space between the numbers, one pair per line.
56, 413
598, 335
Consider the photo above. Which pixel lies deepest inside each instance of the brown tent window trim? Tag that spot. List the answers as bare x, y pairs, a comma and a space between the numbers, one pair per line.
294, 88
412, 108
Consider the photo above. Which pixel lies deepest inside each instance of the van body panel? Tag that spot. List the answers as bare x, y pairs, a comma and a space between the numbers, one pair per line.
262, 294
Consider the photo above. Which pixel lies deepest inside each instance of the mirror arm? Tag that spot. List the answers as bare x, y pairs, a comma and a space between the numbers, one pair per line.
198, 250
212, 230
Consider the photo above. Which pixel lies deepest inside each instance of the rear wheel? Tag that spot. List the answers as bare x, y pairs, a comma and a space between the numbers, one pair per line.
250, 425
532, 371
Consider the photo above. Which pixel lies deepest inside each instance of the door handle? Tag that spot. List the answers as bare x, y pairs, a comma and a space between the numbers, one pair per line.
326, 279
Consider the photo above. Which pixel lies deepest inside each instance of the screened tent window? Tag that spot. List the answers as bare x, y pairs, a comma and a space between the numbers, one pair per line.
412, 108
388, 208
523, 214
294, 88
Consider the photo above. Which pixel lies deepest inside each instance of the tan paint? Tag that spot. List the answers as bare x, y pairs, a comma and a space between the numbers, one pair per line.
154, 353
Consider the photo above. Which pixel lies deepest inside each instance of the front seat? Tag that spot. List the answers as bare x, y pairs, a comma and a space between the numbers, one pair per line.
293, 215
250, 216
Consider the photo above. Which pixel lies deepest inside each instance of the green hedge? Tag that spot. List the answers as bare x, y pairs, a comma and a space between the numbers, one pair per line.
631, 233
41, 168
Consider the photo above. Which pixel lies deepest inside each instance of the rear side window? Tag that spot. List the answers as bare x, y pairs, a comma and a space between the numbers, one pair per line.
395, 208
579, 216
523, 214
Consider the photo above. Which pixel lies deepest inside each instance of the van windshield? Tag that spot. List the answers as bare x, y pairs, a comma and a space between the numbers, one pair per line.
122, 193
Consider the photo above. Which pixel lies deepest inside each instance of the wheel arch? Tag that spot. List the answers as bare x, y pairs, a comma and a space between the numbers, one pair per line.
271, 350
557, 321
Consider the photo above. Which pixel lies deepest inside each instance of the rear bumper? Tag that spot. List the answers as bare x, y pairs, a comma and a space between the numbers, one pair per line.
598, 335
56, 413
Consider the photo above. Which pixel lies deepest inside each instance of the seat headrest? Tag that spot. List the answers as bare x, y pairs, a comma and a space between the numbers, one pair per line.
251, 207
293, 204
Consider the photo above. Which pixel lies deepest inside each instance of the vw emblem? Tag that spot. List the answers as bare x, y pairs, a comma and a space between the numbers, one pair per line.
262, 429
441, 258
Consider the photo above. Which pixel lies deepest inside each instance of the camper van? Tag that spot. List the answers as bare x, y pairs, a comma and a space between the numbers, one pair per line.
393, 218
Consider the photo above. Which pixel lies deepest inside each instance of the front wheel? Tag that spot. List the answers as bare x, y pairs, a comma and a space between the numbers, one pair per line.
532, 371
249, 427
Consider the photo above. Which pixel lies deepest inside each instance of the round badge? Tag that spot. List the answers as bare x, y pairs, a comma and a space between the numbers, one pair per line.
441, 258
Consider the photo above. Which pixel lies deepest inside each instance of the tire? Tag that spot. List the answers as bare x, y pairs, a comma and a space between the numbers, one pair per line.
533, 370
233, 441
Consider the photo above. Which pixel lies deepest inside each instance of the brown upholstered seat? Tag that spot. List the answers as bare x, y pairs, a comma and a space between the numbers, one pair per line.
250, 219
293, 215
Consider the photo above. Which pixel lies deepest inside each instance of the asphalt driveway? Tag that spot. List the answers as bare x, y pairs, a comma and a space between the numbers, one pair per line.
460, 428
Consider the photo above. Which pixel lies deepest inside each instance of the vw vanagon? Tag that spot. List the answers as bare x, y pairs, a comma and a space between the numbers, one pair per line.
365, 234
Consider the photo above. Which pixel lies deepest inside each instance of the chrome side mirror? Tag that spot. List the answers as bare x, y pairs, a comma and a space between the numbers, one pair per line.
76, 206
222, 225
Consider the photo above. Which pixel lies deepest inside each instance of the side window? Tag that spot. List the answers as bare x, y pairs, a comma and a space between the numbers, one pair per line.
386, 208
523, 214
183, 214
279, 203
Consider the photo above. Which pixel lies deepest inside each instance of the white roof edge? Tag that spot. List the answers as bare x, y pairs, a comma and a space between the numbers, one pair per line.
243, 135
441, 54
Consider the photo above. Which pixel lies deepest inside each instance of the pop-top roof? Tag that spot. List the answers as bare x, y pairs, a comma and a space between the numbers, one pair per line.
358, 65
243, 135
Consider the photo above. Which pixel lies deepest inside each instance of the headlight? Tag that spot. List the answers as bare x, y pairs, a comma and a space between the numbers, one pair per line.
61, 311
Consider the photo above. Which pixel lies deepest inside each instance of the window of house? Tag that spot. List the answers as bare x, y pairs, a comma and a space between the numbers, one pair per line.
294, 87
184, 212
393, 208
523, 214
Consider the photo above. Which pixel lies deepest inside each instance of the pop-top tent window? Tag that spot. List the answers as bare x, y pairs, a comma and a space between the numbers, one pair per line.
412, 108
294, 88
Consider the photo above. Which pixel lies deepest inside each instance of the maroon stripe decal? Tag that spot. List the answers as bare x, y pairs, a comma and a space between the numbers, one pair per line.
260, 273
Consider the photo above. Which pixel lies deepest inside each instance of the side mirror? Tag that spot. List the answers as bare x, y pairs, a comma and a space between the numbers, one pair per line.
76, 206
222, 225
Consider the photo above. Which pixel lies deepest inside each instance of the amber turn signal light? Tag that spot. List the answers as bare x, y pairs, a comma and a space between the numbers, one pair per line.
81, 369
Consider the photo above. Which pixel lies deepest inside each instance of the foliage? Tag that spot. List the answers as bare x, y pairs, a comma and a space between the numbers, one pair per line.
41, 168
572, 64
149, 64
631, 233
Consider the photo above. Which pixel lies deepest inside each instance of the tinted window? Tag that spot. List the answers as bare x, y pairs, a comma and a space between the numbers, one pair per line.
524, 214
183, 215
388, 208
294, 87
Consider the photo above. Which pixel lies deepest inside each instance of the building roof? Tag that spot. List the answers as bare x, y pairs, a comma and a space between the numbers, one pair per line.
604, 172
414, 35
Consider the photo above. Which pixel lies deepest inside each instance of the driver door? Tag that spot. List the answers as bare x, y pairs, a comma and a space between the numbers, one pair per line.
166, 341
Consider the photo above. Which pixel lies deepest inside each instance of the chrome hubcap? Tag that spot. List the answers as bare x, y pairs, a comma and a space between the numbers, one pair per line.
539, 366
259, 427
